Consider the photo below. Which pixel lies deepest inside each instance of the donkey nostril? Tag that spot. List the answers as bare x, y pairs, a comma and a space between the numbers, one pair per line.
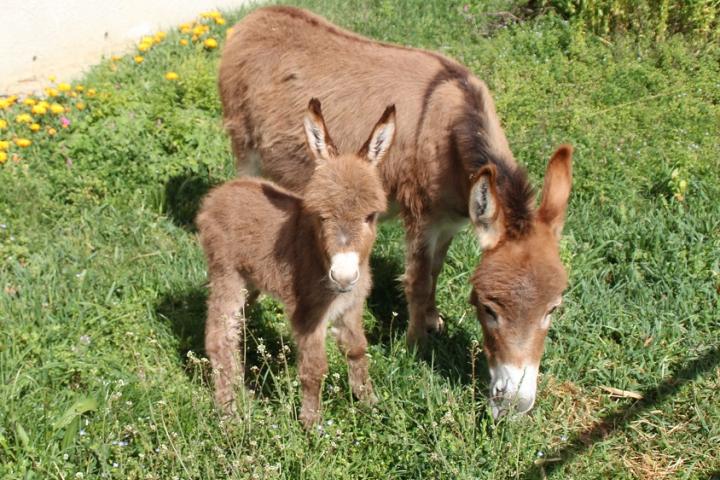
344, 279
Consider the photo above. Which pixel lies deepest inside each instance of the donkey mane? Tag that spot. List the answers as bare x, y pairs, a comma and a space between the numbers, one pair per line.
470, 142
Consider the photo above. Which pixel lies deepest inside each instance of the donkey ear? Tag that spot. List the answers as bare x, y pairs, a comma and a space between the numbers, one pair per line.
484, 207
316, 134
556, 189
381, 137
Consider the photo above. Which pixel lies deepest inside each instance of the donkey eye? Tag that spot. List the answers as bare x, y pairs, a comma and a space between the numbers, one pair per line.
371, 218
490, 312
552, 310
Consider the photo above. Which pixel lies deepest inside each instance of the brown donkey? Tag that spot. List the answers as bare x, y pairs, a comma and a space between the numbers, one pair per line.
311, 253
450, 161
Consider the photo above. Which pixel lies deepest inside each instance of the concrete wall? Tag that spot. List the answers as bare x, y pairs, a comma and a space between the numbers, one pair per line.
63, 37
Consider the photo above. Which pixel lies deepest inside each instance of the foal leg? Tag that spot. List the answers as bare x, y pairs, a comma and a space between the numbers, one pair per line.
223, 332
350, 336
313, 367
419, 285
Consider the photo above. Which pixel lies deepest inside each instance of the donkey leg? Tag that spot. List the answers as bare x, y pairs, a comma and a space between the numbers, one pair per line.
313, 367
350, 336
419, 286
223, 332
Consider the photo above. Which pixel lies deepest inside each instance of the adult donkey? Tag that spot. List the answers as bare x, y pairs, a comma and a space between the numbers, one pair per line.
450, 161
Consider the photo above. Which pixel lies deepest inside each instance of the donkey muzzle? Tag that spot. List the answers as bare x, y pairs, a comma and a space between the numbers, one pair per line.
344, 270
512, 389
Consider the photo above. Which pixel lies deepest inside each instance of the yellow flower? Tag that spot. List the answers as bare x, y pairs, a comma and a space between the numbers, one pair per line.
171, 76
186, 29
115, 58
80, 105
91, 92
210, 43
194, 38
199, 30
23, 118
4, 103
184, 26
3, 124
3, 157
220, 21
39, 109
52, 131
183, 41
138, 59
211, 14
144, 47
29, 101
57, 109
64, 87
4, 145
22, 142
147, 39
159, 37
229, 32
73, 94
52, 78
35, 127
51, 92
79, 88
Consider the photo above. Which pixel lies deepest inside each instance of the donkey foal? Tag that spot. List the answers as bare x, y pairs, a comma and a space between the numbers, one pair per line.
310, 252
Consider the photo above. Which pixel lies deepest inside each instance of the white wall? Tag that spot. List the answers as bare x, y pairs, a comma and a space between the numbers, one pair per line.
63, 37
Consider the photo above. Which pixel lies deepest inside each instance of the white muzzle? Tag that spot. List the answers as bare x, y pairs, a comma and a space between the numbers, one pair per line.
344, 270
512, 389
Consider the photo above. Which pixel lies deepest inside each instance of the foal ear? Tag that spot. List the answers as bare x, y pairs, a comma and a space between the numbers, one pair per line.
316, 134
381, 137
484, 207
556, 189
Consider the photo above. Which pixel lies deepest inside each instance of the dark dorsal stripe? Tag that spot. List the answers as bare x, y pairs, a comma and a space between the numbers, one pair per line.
467, 141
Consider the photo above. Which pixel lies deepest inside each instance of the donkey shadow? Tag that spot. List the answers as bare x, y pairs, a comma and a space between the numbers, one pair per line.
449, 353
183, 194
186, 313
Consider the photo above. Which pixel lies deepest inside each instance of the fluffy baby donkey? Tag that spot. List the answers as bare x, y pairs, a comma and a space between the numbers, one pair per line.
310, 252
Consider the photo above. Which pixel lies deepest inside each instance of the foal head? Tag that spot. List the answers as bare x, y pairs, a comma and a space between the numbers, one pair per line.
520, 279
345, 195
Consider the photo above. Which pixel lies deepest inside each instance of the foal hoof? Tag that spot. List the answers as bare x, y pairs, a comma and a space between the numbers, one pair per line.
309, 418
366, 396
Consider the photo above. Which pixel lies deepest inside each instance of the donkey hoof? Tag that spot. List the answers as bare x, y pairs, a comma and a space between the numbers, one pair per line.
435, 324
309, 418
366, 395
371, 399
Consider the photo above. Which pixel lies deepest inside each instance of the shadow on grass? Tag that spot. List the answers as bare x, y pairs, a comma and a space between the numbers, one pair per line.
449, 353
183, 194
618, 421
387, 300
186, 313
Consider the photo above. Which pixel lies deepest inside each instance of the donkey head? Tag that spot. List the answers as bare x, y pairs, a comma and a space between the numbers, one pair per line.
345, 195
520, 279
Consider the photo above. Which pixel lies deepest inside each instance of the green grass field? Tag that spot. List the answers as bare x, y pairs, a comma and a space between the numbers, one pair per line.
103, 283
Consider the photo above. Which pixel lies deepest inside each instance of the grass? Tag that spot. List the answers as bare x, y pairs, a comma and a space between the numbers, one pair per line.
102, 308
